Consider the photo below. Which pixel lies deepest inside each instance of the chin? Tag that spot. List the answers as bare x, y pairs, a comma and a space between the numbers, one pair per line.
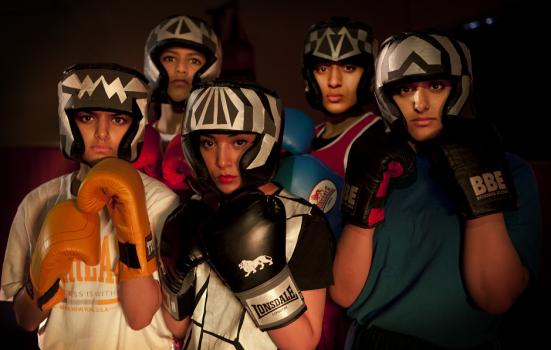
178, 96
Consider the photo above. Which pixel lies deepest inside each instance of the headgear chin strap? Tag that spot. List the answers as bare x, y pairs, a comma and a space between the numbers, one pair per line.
103, 87
230, 107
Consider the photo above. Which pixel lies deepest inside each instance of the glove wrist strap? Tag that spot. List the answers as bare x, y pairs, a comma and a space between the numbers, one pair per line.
274, 303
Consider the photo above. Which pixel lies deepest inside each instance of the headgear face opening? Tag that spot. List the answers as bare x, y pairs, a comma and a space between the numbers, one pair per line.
181, 31
338, 39
104, 87
229, 107
409, 57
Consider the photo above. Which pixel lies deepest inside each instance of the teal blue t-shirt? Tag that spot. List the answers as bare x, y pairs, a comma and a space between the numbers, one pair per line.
415, 285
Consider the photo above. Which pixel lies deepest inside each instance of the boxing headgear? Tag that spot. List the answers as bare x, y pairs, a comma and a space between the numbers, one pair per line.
338, 39
230, 107
182, 31
410, 57
104, 87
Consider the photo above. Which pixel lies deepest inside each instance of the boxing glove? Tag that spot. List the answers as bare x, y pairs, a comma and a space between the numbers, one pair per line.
469, 157
245, 242
66, 234
175, 168
298, 132
376, 160
180, 253
150, 157
309, 178
116, 184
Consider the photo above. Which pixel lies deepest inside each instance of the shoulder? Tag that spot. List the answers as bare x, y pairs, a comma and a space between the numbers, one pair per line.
157, 193
294, 206
54, 188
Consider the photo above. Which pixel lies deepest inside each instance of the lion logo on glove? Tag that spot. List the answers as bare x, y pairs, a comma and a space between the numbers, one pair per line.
251, 266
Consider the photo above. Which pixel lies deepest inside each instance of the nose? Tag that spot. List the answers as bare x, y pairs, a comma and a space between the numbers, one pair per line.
420, 100
182, 67
224, 158
335, 76
102, 128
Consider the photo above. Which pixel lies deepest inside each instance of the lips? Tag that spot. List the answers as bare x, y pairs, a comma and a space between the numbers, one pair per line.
334, 98
226, 179
422, 121
179, 82
102, 149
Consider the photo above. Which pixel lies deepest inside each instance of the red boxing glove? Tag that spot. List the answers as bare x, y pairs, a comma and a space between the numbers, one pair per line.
175, 167
150, 157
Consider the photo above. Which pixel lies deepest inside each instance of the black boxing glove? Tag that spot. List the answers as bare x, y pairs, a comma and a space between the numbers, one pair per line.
245, 241
469, 156
180, 253
376, 160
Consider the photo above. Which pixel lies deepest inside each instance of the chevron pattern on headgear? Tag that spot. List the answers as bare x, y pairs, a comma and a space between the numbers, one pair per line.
89, 91
231, 108
337, 44
183, 28
414, 56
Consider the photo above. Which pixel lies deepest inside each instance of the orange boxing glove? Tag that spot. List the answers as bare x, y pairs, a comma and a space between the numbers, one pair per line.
115, 183
150, 157
66, 234
175, 167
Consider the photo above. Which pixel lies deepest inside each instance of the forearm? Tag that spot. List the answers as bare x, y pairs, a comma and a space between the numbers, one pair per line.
27, 313
140, 298
494, 274
352, 264
305, 331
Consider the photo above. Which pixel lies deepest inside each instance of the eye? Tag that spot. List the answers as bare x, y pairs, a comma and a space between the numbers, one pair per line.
321, 68
402, 90
196, 61
436, 85
349, 68
84, 117
120, 120
168, 58
241, 142
206, 143
244, 141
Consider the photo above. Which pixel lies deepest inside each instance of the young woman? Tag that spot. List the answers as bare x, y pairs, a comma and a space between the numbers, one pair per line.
62, 266
177, 51
453, 246
250, 268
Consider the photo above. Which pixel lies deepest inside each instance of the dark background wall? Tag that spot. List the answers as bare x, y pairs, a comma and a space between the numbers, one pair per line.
41, 38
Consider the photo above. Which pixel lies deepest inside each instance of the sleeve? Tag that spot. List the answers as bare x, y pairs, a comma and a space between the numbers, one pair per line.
312, 259
17, 255
524, 225
161, 201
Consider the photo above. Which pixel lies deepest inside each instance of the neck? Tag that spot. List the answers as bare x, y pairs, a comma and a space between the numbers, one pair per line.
336, 127
268, 188
170, 121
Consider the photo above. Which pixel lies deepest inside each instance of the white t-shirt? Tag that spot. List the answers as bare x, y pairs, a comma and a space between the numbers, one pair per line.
90, 316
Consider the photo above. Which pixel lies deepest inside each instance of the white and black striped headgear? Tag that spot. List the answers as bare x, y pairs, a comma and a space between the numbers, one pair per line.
339, 39
105, 87
230, 107
183, 31
410, 57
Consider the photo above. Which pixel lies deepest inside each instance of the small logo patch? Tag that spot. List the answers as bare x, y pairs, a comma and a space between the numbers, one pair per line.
324, 195
251, 266
149, 247
488, 184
